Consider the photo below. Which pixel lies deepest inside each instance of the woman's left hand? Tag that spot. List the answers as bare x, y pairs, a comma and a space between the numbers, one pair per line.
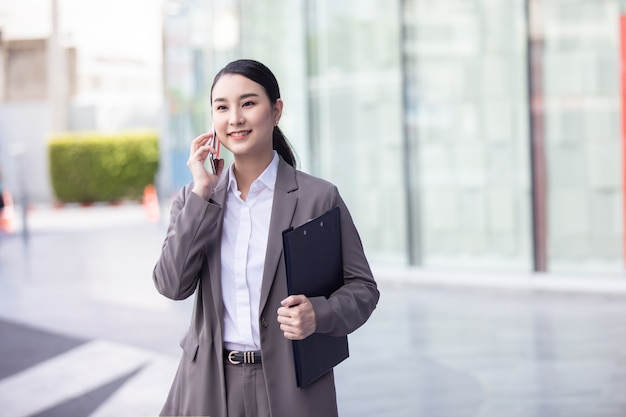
296, 317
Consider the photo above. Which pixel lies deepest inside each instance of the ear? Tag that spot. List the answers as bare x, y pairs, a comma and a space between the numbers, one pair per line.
278, 110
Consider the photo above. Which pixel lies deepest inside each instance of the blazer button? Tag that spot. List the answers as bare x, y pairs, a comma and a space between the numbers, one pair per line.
264, 322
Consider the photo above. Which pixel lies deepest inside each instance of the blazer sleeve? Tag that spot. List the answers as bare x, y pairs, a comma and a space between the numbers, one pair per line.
191, 232
348, 308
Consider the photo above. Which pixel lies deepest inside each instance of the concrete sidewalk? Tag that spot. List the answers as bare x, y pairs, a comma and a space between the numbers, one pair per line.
75, 218
84, 332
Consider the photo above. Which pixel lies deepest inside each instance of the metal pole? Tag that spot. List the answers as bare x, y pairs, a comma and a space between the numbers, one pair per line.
623, 97
57, 74
535, 48
411, 175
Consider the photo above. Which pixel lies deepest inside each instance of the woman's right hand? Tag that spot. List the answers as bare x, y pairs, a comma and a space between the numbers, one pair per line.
204, 182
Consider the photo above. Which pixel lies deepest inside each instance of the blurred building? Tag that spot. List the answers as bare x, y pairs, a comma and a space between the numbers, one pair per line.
463, 134
73, 65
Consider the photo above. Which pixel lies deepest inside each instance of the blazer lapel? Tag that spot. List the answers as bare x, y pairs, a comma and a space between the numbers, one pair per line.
215, 271
283, 209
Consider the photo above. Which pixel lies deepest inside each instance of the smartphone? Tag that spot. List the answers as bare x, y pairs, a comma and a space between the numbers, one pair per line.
215, 143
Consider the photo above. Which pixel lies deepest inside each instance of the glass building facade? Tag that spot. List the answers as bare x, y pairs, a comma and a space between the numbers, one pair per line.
471, 135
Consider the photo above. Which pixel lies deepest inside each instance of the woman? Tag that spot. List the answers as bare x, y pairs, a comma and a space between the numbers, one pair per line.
224, 243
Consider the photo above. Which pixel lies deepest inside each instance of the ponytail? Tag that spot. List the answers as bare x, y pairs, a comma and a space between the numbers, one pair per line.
282, 147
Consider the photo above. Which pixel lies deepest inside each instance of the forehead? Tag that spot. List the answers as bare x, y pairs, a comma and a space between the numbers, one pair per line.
233, 86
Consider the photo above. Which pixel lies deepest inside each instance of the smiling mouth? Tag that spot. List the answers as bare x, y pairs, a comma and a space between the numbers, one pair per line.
239, 134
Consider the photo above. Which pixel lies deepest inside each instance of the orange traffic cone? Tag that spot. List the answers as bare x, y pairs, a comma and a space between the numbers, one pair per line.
7, 215
151, 204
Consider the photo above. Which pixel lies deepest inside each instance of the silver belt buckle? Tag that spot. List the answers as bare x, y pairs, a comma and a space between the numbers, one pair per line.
231, 357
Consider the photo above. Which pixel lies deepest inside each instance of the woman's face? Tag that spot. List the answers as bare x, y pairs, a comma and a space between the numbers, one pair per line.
243, 115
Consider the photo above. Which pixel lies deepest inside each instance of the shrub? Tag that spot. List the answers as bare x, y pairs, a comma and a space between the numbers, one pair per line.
89, 167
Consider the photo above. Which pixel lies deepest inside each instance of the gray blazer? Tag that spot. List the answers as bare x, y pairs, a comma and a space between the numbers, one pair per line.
190, 262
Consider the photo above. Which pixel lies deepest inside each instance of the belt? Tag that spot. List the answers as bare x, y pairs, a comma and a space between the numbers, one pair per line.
236, 357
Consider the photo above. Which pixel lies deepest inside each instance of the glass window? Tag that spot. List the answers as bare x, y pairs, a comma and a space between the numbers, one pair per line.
273, 32
418, 111
355, 91
467, 124
583, 138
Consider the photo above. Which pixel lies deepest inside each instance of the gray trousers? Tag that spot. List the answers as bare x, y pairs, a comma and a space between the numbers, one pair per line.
246, 393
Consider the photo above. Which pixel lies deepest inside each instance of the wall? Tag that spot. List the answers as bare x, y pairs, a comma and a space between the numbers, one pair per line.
23, 150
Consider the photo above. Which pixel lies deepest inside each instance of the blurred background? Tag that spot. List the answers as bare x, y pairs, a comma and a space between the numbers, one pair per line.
480, 143
467, 135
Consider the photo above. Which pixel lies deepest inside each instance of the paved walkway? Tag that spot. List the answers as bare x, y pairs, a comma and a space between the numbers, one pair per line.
84, 333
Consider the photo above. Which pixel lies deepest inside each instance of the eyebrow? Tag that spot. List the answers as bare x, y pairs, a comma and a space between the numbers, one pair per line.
241, 97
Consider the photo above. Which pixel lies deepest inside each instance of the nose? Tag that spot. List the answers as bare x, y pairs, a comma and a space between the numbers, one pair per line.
235, 117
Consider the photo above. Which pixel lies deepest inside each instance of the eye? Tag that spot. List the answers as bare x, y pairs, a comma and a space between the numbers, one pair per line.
220, 107
248, 104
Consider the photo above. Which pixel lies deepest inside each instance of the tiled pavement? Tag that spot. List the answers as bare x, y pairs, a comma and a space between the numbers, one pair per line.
84, 333
56, 375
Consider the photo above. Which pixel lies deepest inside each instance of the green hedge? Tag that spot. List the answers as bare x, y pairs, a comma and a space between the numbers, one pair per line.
90, 167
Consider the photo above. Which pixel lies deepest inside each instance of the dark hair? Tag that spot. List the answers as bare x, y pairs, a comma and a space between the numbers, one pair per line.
262, 75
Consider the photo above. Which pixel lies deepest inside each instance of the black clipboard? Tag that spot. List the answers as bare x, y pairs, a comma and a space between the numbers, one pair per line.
314, 267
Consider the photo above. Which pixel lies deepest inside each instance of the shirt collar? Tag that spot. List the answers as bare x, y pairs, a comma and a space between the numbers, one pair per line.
267, 177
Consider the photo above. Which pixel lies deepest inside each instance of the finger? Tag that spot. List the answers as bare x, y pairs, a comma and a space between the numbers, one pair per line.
201, 140
202, 145
290, 313
293, 300
204, 137
291, 333
199, 154
284, 312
